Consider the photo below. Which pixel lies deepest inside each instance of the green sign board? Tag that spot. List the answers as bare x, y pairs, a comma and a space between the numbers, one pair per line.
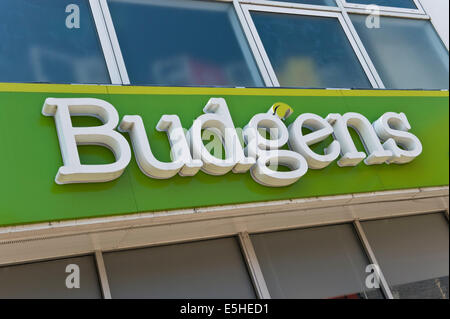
31, 154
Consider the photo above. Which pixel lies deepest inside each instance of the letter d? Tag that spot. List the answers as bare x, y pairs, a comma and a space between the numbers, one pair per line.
104, 135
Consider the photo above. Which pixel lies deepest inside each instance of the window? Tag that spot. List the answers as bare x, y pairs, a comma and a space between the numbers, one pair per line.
407, 53
287, 43
37, 49
183, 43
322, 262
47, 279
413, 254
309, 50
204, 269
317, 262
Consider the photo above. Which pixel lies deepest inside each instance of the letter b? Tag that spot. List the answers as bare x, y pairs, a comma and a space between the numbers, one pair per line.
104, 135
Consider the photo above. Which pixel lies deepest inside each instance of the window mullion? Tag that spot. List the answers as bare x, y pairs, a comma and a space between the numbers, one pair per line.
255, 46
105, 42
114, 42
253, 266
368, 65
370, 254
106, 292
260, 46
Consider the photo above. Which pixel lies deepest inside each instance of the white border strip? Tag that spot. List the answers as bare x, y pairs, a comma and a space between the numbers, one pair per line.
292, 5
105, 42
114, 42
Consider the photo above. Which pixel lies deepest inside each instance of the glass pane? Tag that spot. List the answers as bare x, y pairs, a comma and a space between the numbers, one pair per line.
205, 269
408, 4
407, 53
316, 2
38, 46
185, 43
322, 262
47, 279
307, 51
413, 254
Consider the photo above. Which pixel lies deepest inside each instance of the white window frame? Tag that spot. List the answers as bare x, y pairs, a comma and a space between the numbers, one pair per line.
419, 9
108, 31
400, 14
293, 5
118, 71
105, 42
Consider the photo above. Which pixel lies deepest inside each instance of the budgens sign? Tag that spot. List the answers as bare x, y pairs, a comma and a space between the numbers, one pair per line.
259, 148
116, 150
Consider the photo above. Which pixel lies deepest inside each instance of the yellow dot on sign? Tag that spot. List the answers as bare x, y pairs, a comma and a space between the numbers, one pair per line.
282, 110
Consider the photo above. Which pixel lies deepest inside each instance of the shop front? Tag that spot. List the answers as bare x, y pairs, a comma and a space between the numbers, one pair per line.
164, 192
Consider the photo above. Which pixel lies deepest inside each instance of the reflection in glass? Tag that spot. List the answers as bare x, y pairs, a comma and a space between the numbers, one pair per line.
47, 280
185, 43
413, 253
407, 53
37, 46
307, 51
203, 269
321, 262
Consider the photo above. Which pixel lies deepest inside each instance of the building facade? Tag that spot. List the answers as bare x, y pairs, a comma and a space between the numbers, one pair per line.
224, 149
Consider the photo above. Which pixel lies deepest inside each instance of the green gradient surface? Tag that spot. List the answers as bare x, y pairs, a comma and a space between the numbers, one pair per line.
30, 156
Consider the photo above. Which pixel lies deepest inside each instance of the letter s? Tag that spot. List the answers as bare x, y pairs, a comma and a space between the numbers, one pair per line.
392, 128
